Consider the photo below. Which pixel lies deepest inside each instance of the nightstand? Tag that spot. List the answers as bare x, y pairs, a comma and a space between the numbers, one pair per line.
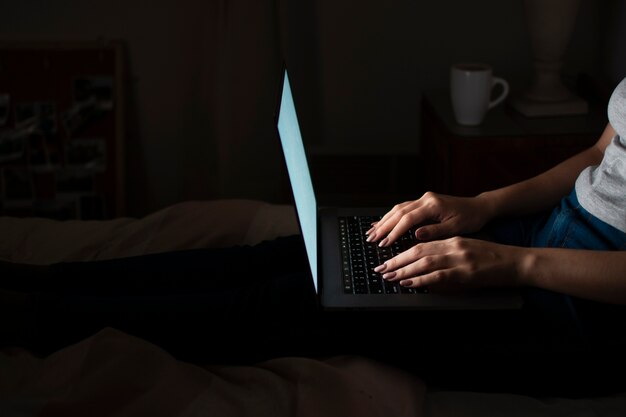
505, 149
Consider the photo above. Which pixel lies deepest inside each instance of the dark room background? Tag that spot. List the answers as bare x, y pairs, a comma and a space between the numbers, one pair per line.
203, 74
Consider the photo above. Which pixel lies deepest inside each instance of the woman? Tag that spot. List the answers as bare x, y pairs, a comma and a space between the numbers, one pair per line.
592, 219
567, 250
255, 302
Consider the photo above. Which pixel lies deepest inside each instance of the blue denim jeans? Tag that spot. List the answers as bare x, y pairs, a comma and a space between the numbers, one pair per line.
570, 226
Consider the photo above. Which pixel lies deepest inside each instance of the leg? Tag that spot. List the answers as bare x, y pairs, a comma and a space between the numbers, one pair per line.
583, 338
210, 302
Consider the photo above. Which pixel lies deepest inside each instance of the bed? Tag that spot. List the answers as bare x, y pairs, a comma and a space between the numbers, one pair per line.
112, 373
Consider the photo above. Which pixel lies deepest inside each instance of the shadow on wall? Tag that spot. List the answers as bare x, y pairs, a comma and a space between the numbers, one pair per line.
614, 14
203, 76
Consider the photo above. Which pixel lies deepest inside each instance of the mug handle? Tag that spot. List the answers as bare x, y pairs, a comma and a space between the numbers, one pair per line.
505, 91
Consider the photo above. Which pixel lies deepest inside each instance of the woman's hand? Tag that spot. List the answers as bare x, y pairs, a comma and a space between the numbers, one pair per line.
440, 216
456, 263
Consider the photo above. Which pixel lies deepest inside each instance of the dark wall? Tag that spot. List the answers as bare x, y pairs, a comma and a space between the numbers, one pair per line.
360, 67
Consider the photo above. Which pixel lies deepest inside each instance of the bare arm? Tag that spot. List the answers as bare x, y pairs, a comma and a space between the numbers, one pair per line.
545, 190
596, 275
439, 216
457, 261
461, 262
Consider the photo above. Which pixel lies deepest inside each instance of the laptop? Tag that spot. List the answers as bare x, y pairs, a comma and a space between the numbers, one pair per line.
340, 259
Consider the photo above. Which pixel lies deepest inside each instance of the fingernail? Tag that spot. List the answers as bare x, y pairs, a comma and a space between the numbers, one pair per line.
384, 242
370, 231
389, 275
405, 283
421, 234
370, 238
380, 268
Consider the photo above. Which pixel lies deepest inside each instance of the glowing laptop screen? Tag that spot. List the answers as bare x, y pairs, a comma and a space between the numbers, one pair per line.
301, 185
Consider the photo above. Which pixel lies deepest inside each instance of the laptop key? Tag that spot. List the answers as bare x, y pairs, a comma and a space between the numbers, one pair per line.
377, 290
359, 258
407, 290
360, 288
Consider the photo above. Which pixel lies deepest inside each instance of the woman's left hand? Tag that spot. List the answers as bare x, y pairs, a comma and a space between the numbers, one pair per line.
455, 263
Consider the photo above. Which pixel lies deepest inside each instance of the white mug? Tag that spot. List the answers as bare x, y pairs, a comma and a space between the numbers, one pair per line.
470, 90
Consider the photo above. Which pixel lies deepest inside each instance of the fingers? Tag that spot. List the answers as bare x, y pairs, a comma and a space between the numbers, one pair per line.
437, 230
432, 279
403, 225
427, 272
425, 264
420, 259
430, 208
372, 228
394, 210
398, 221
382, 227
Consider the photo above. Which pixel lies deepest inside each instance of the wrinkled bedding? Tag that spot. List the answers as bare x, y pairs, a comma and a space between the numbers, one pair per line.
121, 375
189, 225
115, 374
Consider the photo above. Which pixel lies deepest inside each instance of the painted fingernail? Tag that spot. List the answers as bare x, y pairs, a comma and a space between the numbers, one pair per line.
384, 242
380, 268
389, 275
370, 238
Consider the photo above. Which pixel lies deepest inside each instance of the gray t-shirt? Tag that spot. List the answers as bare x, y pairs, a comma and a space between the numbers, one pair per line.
601, 189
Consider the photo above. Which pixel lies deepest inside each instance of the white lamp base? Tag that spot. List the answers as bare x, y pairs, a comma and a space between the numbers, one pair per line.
532, 108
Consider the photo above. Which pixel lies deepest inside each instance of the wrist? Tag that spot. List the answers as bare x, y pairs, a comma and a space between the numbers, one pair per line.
527, 267
488, 205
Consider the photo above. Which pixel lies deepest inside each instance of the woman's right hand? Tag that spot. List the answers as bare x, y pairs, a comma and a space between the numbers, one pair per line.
437, 216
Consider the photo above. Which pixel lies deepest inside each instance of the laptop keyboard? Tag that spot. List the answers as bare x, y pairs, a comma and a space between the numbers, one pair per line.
359, 258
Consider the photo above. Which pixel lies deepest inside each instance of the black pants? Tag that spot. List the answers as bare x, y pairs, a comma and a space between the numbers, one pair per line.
245, 304
223, 304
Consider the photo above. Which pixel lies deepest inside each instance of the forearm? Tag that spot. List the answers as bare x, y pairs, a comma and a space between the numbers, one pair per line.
595, 275
545, 190
541, 192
